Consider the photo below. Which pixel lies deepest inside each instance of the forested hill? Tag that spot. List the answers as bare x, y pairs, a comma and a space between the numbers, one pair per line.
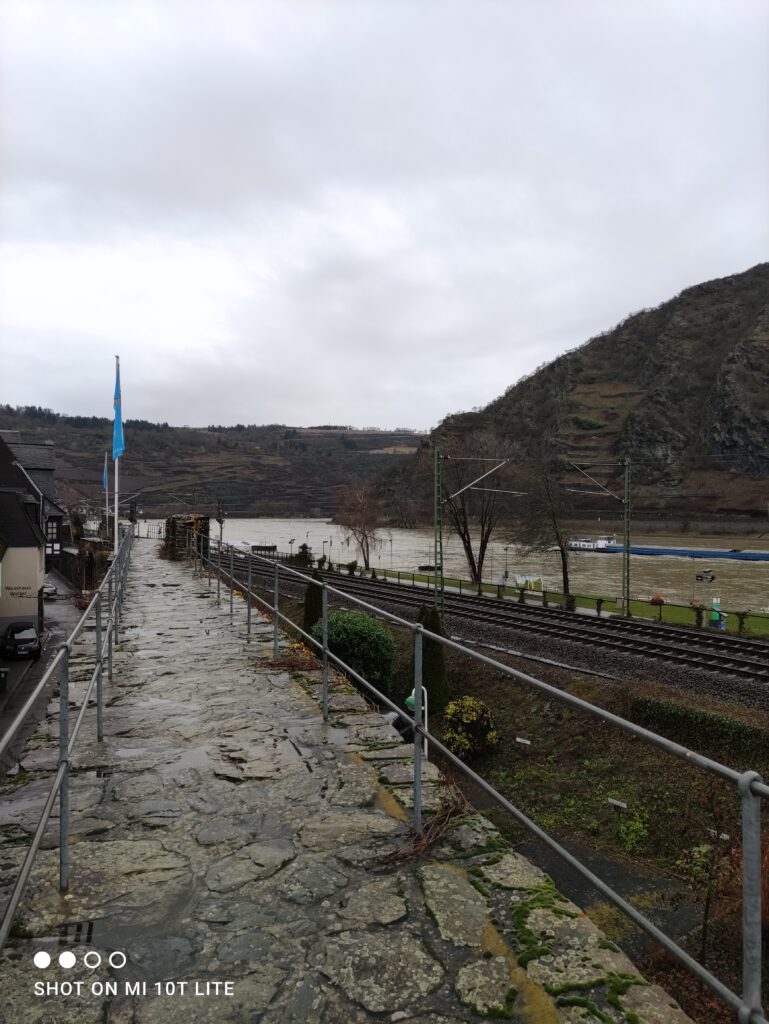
252, 470
682, 389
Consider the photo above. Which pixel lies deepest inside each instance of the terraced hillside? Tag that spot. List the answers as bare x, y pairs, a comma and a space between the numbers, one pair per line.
270, 470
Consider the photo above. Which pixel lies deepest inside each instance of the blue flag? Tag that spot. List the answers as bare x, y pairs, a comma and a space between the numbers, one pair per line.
118, 441
104, 478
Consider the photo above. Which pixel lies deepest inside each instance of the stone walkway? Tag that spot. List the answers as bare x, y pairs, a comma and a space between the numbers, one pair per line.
228, 858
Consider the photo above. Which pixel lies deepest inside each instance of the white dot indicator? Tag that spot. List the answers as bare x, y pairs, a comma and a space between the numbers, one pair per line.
67, 960
42, 959
118, 959
92, 959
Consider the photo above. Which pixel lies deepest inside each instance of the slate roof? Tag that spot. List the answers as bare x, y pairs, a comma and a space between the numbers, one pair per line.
33, 456
17, 529
11, 475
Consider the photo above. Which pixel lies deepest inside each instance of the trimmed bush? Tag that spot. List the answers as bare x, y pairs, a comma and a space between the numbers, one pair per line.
303, 555
313, 603
362, 643
469, 728
434, 675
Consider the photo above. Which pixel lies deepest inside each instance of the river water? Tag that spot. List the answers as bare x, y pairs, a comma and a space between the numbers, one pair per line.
739, 584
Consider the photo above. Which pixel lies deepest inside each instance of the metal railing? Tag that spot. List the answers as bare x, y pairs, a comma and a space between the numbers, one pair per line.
151, 530
749, 784
106, 636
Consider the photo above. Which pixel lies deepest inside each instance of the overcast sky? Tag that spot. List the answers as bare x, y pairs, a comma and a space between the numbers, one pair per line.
371, 212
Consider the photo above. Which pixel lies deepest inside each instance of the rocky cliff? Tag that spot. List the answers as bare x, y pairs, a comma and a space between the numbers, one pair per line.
682, 389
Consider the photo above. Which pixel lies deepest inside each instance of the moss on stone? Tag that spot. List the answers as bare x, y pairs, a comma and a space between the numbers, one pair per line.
504, 1012
476, 884
543, 897
588, 1005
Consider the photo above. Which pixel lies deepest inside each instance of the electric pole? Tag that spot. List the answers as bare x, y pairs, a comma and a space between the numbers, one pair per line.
626, 541
438, 538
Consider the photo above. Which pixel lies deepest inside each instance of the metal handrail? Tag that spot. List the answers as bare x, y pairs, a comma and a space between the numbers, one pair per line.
114, 585
750, 785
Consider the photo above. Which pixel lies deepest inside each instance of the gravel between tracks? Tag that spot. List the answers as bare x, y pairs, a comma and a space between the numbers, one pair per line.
749, 694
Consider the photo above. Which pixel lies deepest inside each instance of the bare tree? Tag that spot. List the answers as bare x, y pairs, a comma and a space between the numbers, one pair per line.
541, 515
359, 514
474, 510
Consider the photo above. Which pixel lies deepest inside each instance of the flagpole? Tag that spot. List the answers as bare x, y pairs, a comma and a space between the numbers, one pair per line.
118, 445
117, 492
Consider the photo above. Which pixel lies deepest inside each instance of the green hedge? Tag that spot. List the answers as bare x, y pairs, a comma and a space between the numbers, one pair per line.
699, 729
362, 643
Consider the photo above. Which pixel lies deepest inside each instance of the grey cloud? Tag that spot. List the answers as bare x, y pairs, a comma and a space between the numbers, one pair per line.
449, 193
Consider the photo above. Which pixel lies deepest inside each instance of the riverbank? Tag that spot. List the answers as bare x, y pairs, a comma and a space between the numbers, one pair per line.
739, 585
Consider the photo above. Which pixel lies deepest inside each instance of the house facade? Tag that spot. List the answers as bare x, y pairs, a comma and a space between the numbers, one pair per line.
22, 561
37, 463
22, 543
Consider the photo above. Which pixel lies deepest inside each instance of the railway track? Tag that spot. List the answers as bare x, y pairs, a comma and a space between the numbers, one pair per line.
712, 652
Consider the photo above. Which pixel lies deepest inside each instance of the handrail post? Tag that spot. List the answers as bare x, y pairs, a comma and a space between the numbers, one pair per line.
276, 631
64, 760
751, 898
109, 630
218, 573
232, 581
324, 690
209, 561
99, 671
116, 606
248, 596
417, 727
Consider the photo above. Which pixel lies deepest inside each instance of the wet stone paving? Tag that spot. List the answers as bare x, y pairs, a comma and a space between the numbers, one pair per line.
229, 855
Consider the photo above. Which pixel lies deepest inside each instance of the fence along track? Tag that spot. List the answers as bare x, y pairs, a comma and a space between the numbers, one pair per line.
748, 785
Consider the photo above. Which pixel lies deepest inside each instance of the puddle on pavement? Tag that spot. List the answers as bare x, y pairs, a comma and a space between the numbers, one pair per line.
336, 737
37, 759
309, 741
197, 757
30, 797
129, 752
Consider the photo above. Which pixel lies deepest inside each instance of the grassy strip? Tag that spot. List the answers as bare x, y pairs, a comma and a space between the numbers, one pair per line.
670, 614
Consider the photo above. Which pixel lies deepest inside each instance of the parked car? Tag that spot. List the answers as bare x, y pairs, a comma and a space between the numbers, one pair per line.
21, 640
49, 590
